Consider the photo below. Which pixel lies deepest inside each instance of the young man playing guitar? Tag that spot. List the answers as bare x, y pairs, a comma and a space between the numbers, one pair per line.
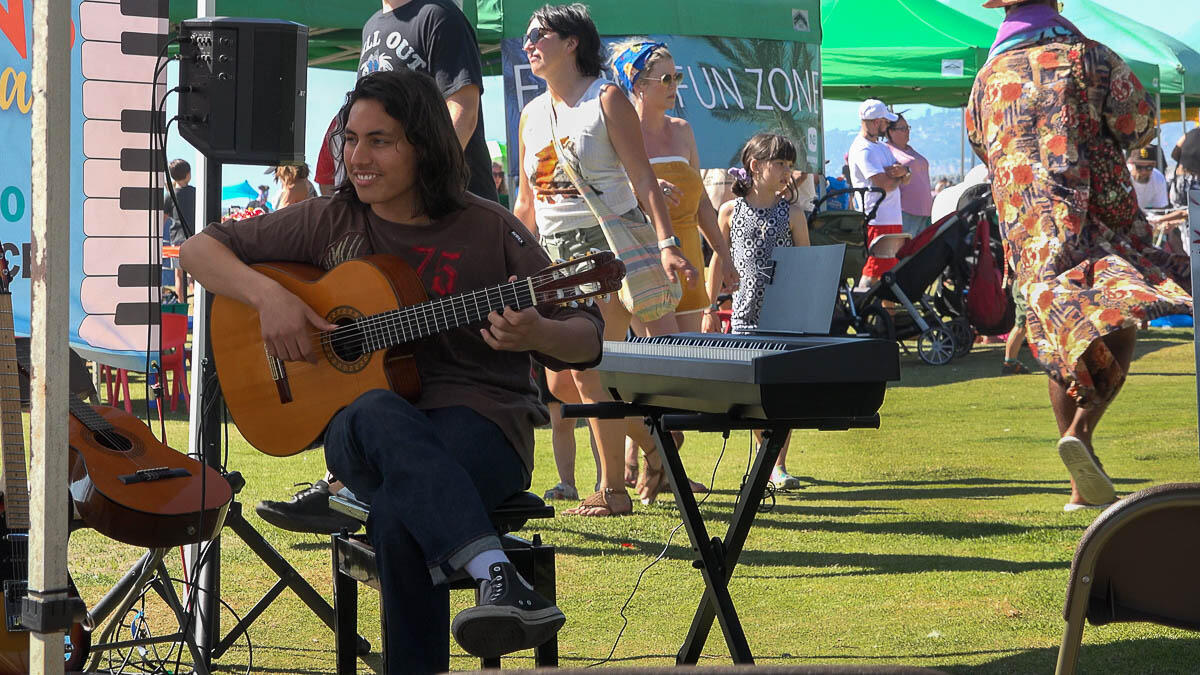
433, 469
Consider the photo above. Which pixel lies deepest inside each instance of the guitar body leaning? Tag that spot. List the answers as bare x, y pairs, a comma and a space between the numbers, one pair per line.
283, 417
130, 487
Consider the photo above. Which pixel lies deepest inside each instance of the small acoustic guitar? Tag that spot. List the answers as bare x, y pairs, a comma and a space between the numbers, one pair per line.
14, 511
381, 310
131, 488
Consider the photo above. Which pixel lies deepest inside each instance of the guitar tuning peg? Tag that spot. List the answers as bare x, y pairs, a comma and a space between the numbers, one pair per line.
574, 303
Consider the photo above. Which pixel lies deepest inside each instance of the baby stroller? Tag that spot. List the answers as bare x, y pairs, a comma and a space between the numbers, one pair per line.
929, 283
843, 226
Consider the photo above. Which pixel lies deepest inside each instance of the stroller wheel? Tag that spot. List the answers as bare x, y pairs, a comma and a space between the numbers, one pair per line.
963, 334
935, 346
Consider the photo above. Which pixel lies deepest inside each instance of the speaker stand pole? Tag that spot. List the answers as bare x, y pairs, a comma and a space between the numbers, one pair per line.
206, 433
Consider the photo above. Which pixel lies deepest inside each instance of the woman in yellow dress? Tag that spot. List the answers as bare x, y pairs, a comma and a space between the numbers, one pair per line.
645, 70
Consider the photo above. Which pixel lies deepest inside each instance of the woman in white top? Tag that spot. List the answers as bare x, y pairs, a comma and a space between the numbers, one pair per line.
598, 123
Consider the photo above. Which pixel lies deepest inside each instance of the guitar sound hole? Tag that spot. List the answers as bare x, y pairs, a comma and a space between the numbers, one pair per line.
112, 440
347, 343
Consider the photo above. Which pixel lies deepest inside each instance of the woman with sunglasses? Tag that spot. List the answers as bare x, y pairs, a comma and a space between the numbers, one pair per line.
597, 122
916, 199
645, 70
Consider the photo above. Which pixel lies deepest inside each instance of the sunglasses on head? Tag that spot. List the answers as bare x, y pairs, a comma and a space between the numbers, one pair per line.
535, 35
668, 78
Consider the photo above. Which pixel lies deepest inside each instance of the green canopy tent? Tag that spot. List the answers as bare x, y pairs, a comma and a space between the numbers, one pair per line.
335, 28
913, 51
1139, 45
900, 51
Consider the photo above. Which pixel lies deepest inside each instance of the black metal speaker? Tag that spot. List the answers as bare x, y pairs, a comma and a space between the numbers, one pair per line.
243, 89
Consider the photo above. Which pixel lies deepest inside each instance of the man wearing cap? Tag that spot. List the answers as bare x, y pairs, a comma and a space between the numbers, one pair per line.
1149, 184
873, 165
1053, 114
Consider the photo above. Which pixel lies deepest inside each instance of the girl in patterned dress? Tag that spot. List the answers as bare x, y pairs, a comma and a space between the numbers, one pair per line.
763, 216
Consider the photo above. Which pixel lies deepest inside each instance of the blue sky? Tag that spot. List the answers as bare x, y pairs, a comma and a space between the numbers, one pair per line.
327, 90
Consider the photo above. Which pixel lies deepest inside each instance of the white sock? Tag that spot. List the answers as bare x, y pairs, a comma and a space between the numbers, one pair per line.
478, 566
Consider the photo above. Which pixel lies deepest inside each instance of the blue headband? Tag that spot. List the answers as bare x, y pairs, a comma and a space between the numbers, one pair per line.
630, 63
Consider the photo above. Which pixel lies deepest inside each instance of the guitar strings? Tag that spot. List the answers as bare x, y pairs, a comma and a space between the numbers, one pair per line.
408, 321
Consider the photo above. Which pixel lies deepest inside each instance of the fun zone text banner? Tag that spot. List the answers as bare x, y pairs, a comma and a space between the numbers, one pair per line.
732, 88
114, 249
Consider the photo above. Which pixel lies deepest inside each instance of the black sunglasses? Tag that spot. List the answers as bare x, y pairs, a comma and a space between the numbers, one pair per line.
535, 35
677, 78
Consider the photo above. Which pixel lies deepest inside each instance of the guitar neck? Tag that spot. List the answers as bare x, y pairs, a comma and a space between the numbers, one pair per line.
398, 326
12, 432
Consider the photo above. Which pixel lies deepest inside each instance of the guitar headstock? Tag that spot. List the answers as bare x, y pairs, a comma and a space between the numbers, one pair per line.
7, 272
579, 278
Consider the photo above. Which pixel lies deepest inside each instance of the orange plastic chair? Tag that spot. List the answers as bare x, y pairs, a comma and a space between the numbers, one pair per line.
116, 384
173, 359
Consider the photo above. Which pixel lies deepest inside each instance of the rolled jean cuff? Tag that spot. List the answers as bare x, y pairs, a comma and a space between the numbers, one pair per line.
441, 572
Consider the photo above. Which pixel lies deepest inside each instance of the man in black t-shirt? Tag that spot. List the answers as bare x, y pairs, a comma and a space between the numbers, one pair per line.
434, 37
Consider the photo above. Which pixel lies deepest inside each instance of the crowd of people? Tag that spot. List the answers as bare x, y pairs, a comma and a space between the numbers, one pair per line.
406, 173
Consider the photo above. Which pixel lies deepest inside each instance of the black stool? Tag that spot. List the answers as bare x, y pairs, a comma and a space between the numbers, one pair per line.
354, 561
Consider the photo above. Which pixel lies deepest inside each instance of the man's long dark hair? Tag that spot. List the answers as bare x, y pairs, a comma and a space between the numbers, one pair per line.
413, 99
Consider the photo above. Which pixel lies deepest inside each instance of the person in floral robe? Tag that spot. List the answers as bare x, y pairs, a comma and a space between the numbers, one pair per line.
1053, 113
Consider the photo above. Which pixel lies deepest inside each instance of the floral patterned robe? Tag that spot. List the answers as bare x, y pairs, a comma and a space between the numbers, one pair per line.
1052, 120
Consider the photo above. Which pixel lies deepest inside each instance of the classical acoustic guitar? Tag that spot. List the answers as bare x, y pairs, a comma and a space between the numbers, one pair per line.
130, 487
14, 511
381, 310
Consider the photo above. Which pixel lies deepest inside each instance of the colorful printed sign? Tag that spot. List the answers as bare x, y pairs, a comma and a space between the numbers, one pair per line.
732, 89
115, 278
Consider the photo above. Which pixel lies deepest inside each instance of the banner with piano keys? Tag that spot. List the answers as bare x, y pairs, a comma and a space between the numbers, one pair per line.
115, 247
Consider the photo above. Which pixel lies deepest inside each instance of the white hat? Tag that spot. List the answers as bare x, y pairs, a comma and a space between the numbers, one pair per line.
873, 109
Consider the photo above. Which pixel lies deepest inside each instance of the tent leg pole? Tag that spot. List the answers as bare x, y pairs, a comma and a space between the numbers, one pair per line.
1162, 152
962, 145
1183, 112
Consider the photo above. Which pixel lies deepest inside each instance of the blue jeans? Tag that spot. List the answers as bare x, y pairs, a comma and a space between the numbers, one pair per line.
431, 477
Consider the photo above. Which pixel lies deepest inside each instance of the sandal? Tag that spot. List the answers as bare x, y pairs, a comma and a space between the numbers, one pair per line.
561, 491
606, 502
652, 481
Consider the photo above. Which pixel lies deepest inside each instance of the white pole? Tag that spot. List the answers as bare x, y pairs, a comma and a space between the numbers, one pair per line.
1182, 112
199, 325
962, 145
1161, 162
50, 274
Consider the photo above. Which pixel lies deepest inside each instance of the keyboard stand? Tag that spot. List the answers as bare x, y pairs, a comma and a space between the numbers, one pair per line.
715, 557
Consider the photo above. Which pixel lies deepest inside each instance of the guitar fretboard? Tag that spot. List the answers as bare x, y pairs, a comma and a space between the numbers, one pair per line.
388, 329
12, 433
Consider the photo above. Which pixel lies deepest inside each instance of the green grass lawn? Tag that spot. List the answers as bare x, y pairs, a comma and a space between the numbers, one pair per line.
938, 540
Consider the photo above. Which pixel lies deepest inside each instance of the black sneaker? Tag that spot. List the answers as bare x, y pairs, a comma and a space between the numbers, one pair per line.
307, 511
510, 616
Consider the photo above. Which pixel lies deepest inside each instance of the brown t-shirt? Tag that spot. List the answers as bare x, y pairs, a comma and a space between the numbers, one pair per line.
479, 246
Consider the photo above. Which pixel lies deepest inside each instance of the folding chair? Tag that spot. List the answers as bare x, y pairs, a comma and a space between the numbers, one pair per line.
1137, 562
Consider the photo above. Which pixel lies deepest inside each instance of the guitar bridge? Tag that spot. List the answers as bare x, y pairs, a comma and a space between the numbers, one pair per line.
279, 374
157, 473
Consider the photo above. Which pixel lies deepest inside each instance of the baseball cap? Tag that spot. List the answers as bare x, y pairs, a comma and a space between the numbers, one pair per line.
873, 109
1147, 156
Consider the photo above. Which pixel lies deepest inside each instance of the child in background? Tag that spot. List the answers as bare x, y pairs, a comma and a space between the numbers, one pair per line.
764, 215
